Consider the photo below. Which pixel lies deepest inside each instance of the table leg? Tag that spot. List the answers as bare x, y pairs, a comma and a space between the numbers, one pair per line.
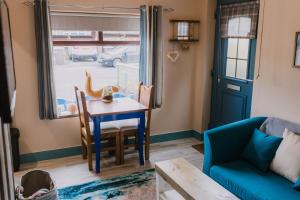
97, 134
141, 137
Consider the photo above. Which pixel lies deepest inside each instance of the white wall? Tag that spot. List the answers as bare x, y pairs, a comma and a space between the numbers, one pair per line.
178, 111
276, 91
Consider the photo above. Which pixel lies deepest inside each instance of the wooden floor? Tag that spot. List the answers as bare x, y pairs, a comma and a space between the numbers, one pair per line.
74, 170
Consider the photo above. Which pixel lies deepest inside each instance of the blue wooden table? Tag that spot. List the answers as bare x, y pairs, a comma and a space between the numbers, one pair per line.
119, 109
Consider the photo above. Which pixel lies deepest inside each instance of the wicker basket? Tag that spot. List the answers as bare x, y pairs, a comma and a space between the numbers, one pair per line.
36, 185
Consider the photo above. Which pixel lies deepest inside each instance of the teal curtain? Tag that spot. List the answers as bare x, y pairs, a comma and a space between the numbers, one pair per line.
46, 94
151, 55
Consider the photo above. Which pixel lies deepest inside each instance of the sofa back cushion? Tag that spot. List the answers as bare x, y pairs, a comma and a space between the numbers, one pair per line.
275, 126
261, 149
287, 157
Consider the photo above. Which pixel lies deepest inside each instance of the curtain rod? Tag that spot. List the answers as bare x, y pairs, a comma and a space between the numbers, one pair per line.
31, 3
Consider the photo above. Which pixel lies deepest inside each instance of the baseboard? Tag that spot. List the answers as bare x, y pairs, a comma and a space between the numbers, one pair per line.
73, 151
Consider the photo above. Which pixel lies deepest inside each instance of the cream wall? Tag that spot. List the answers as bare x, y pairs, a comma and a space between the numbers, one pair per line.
177, 112
276, 91
204, 64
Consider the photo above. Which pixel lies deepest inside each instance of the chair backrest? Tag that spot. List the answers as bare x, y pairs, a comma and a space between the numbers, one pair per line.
77, 93
84, 114
82, 111
139, 90
146, 98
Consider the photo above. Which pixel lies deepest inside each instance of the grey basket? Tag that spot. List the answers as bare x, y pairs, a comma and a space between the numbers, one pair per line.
33, 182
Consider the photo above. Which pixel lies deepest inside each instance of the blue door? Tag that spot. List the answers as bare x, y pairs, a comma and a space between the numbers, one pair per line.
232, 75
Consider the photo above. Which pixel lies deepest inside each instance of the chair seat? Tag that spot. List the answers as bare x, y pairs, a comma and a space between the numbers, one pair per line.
106, 127
128, 124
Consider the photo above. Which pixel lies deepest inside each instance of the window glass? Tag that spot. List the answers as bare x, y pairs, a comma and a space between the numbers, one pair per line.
233, 26
59, 35
237, 58
116, 65
232, 47
239, 26
243, 48
121, 36
231, 67
244, 26
241, 69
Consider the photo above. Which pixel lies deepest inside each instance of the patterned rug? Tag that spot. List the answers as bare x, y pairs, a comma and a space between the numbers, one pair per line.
136, 186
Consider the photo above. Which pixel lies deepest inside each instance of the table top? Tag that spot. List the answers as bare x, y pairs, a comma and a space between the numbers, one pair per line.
118, 106
190, 182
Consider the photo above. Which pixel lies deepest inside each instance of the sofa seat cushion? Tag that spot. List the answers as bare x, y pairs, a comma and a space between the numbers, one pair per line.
249, 183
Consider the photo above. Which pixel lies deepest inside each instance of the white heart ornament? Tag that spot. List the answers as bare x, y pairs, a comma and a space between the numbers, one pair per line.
173, 56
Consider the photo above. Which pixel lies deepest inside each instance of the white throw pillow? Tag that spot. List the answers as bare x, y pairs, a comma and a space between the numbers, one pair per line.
286, 161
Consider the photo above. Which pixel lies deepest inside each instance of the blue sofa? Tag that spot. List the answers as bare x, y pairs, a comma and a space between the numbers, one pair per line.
222, 162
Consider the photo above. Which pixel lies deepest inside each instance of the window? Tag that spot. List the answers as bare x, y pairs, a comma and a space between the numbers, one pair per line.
239, 26
110, 56
237, 58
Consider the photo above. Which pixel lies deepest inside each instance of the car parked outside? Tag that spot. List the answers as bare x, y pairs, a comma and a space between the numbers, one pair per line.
122, 54
83, 53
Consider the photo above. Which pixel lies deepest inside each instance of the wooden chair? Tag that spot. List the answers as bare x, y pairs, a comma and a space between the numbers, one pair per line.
129, 128
109, 132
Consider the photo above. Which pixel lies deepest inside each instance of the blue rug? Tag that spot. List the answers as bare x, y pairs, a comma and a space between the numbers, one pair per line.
136, 186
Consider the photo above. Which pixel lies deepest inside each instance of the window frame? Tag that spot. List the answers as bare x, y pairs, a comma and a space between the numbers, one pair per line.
99, 42
236, 58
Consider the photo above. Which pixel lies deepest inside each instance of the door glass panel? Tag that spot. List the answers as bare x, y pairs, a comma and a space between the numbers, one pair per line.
241, 69
244, 26
230, 67
233, 26
232, 47
243, 48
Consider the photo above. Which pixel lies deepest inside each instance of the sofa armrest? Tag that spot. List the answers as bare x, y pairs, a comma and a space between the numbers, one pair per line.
226, 143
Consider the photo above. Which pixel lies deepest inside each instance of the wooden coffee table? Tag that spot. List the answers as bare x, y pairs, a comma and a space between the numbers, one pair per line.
177, 179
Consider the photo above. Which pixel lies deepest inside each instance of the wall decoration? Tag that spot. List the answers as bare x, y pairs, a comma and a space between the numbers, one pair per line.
173, 55
297, 51
185, 32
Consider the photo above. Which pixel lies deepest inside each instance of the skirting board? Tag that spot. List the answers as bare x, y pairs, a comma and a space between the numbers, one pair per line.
73, 151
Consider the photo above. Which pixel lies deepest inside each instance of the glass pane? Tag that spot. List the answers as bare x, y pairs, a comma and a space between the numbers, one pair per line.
121, 36
241, 70
183, 31
232, 48
243, 49
59, 35
230, 67
108, 65
244, 26
233, 26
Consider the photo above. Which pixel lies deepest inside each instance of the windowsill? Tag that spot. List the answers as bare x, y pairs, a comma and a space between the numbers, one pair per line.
67, 116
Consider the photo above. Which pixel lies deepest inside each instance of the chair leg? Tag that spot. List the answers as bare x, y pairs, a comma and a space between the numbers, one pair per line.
117, 151
136, 147
147, 145
121, 148
126, 141
90, 157
84, 150
111, 142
